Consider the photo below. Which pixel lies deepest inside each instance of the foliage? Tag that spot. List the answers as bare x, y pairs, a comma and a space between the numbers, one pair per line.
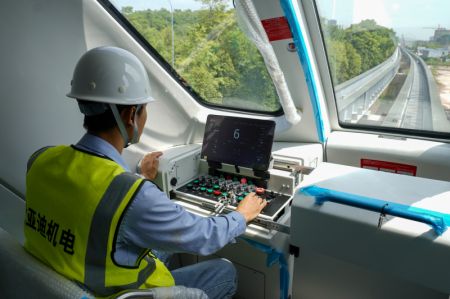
445, 61
357, 49
211, 54
218, 61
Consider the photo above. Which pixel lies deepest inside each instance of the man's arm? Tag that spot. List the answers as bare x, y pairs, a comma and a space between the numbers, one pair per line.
154, 221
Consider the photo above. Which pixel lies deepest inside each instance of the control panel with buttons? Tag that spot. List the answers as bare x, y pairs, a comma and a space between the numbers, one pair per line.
224, 191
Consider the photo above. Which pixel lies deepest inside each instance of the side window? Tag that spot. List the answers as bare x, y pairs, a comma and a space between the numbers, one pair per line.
390, 63
201, 40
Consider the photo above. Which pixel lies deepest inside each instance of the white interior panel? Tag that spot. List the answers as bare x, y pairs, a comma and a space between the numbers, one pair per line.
321, 276
305, 130
42, 41
12, 213
409, 250
431, 158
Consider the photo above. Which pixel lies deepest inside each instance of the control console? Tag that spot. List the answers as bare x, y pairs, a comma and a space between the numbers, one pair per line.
236, 159
224, 191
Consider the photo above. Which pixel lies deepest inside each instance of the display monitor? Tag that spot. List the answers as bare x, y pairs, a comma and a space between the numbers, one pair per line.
245, 142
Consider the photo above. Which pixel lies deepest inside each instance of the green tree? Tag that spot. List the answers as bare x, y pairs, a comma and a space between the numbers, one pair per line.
356, 49
126, 10
211, 54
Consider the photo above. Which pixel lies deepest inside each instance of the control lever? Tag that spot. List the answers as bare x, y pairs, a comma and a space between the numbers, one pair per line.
223, 202
220, 205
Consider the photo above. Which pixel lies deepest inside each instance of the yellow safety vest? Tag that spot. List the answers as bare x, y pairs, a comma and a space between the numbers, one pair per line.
74, 204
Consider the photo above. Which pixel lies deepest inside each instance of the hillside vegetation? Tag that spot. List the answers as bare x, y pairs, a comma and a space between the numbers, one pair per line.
215, 58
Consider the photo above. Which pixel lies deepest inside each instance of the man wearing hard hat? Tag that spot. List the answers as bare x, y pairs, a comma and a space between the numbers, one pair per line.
95, 222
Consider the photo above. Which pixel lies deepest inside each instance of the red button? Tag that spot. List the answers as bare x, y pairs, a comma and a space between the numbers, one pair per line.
217, 192
243, 181
259, 191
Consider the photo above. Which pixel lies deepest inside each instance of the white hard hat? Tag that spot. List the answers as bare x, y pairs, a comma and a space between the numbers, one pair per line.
110, 75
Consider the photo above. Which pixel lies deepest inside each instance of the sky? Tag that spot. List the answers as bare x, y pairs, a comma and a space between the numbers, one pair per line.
157, 4
411, 18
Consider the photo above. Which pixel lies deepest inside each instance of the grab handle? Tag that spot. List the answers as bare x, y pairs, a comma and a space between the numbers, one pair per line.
384, 207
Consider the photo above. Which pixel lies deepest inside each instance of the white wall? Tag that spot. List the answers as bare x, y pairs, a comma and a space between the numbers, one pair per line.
41, 42
432, 158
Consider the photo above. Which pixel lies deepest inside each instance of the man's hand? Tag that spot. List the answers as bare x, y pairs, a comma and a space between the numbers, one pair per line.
251, 206
149, 165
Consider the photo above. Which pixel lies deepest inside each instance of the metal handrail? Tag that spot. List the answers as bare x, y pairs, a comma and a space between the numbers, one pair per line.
349, 91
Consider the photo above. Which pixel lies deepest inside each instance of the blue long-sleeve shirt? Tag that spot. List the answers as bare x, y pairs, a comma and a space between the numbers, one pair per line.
154, 221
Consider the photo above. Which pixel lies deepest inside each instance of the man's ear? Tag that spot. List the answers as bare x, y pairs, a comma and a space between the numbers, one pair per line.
128, 114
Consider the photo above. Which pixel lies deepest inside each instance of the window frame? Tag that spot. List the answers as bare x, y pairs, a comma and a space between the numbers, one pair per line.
433, 135
138, 37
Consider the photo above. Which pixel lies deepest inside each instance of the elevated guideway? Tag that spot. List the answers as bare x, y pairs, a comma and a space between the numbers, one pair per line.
417, 105
355, 96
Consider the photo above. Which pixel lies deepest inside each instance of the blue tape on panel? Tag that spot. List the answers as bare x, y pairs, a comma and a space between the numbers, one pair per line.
305, 61
274, 256
438, 221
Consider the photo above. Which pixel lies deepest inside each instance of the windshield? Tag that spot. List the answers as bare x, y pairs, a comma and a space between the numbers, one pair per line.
389, 62
203, 43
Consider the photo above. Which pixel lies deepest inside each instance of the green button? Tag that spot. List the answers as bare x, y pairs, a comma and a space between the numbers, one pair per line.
196, 182
203, 189
225, 193
209, 190
245, 193
240, 198
216, 187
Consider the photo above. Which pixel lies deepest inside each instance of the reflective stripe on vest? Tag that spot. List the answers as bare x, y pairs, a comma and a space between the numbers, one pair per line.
84, 197
98, 238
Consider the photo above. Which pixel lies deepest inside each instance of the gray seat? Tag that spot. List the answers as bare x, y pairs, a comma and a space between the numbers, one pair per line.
23, 276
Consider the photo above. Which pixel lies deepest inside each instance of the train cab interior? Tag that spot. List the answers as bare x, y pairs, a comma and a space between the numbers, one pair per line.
336, 112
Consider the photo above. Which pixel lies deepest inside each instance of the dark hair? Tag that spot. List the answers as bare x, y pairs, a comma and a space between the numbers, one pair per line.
105, 121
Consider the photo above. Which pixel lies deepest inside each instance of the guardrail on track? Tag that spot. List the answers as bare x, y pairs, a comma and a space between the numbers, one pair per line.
439, 117
355, 96
395, 115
